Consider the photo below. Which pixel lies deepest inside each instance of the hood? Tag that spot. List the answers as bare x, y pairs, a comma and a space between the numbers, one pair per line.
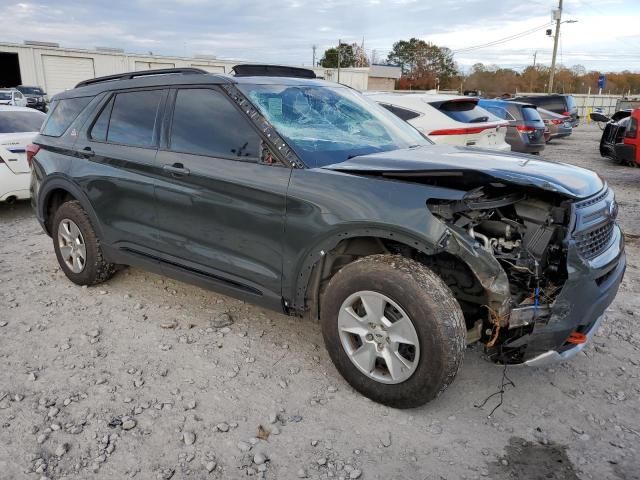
488, 165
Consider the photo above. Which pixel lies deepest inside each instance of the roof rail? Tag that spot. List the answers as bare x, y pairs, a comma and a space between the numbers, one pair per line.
248, 70
143, 73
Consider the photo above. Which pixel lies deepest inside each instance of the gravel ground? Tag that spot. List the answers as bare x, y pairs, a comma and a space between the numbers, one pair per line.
150, 378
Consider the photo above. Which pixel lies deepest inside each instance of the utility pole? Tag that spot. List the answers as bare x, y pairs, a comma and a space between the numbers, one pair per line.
339, 59
313, 64
535, 54
558, 17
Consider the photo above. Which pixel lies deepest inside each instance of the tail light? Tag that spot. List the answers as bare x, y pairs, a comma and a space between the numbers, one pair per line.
566, 114
525, 128
464, 131
32, 149
556, 121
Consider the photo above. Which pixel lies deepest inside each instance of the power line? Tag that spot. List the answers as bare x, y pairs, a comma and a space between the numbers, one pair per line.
501, 40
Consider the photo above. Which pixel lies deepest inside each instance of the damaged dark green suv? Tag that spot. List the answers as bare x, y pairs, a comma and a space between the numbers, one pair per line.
302, 196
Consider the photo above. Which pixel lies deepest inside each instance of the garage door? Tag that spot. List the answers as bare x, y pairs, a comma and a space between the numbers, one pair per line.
210, 68
62, 73
153, 65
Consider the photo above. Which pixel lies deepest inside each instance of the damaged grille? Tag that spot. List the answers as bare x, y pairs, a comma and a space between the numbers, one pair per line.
592, 243
595, 221
593, 200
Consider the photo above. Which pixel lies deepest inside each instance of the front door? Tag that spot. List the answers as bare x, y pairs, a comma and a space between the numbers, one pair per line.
220, 211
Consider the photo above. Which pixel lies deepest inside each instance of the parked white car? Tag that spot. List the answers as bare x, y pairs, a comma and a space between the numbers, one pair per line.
18, 127
11, 96
447, 119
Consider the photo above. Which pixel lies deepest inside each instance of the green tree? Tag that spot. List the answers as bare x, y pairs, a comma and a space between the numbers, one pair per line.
347, 57
423, 64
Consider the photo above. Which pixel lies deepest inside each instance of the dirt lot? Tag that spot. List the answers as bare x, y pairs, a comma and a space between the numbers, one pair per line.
139, 378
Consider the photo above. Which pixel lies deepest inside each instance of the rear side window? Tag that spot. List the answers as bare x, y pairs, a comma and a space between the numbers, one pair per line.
133, 118
632, 131
464, 111
63, 114
15, 122
531, 114
206, 123
402, 113
555, 104
497, 112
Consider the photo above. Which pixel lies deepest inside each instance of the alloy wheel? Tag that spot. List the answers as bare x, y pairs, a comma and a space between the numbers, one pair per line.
379, 337
72, 247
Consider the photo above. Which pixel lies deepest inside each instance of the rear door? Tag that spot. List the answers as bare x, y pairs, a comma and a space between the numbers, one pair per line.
221, 210
117, 167
17, 130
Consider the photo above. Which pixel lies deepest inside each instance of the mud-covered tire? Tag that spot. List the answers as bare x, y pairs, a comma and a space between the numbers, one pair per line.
96, 269
433, 310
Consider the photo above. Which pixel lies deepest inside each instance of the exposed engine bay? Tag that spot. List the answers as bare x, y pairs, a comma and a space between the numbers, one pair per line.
527, 234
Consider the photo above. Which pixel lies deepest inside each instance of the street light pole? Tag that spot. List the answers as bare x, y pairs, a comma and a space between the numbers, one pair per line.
339, 59
555, 47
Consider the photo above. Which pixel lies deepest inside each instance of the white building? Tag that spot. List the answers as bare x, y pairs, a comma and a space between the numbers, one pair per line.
55, 68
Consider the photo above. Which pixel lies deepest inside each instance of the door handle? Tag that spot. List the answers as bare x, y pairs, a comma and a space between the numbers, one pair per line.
88, 152
176, 169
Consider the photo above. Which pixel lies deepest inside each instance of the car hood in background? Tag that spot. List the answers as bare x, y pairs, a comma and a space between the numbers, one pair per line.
442, 160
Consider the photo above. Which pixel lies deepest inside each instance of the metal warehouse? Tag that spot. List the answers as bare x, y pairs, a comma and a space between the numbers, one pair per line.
57, 68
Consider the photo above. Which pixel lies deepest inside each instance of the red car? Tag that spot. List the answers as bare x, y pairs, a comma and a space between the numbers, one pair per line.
629, 149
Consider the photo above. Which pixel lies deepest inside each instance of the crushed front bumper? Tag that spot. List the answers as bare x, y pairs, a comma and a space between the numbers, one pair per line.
553, 356
590, 289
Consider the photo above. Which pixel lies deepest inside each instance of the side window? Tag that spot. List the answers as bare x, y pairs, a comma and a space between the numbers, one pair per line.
63, 114
497, 111
101, 125
133, 118
206, 123
402, 113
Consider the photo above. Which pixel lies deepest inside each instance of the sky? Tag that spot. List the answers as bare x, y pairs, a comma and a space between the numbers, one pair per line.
605, 37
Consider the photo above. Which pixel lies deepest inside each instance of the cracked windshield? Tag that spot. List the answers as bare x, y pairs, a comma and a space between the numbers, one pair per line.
326, 125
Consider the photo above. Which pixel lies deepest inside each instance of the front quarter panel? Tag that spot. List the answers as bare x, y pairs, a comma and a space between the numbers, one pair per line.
325, 207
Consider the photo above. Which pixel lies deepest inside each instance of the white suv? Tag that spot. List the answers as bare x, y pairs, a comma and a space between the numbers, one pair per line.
11, 96
447, 119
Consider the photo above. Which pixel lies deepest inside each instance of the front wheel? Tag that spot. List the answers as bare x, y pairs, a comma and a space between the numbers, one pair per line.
393, 329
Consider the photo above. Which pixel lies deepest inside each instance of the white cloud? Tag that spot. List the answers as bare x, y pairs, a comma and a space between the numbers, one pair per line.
284, 31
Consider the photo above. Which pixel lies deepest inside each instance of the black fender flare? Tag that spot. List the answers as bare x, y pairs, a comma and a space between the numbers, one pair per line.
316, 254
60, 182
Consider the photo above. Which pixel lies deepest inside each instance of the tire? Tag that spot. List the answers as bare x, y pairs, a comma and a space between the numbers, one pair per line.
432, 310
95, 269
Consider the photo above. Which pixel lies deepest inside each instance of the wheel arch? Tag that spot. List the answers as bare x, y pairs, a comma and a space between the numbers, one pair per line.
57, 191
357, 242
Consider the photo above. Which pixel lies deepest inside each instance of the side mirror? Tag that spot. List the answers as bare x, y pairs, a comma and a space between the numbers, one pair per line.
598, 117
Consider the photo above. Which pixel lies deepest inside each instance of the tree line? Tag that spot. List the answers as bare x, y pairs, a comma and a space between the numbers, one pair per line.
426, 66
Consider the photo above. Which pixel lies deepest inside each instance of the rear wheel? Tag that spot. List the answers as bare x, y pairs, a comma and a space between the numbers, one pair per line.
77, 246
393, 329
